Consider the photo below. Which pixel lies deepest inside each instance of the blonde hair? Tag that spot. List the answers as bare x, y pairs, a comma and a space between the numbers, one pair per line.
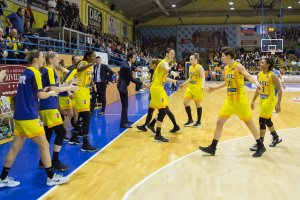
196, 56
49, 55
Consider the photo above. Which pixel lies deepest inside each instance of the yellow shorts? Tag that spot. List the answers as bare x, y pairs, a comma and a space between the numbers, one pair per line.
82, 99
240, 107
267, 107
28, 128
195, 94
159, 97
65, 103
51, 117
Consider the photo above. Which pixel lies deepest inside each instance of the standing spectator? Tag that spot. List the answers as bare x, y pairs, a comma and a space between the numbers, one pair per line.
16, 20
29, 15
3, 4
101, 75
51, 13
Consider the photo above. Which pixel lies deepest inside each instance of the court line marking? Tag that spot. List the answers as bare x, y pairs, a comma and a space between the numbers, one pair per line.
125, 197
83, 164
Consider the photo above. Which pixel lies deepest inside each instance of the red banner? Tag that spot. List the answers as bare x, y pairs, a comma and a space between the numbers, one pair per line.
9, 79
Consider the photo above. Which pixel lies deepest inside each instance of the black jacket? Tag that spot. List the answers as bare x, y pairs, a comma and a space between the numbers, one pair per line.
105, 73
125, 77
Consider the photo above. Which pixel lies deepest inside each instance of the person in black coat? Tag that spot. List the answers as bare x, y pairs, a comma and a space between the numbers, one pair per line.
102, 74
124, 80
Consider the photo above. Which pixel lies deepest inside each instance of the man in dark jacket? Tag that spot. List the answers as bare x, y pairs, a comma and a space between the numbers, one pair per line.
102, 74
124, 80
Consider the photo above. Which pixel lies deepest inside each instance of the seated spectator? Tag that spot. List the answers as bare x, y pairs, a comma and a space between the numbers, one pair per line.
16, 20
3, 52
27, 28
43, 32
13, 43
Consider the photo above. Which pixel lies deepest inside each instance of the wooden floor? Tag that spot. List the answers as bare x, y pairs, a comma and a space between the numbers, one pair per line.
134, 155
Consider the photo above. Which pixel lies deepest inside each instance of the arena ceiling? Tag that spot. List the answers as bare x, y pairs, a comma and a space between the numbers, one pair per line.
145, 10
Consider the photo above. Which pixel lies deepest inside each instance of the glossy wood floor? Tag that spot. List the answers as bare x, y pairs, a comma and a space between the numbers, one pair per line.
134, 155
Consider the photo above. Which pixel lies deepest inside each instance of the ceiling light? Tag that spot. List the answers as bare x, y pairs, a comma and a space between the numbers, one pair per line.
230, 2
173, 6
289, 7
231, 8
298, 1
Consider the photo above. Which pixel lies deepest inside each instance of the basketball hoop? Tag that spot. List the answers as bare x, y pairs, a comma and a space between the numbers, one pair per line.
273, 51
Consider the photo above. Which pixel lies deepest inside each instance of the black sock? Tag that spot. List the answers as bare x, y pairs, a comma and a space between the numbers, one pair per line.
85, 140
152, 123
148, 119
189, 112
49, 172
274, 134
259, 142
214, 143
73, 122
55, 156
262, 139
199, 114
172, 118
4, 173
158, 129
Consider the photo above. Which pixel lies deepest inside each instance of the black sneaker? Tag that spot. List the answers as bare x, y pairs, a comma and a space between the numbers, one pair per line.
160, 138
58, 166
210, 150
101, 113
75, 141
189, 123
151, 128
142, 128
80, 134
253, 148
275, 141
89, 148
259, 152
197, 125
41, 166
66, 139
175, 129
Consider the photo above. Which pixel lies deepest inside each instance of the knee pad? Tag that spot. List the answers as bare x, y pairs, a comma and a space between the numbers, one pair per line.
60, 134
262, 123
161, 114
269, 122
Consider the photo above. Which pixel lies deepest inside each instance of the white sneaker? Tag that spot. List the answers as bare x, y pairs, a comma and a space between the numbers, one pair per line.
9, 182
57, 179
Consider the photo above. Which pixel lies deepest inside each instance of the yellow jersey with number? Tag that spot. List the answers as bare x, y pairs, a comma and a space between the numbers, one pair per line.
267, 85
160, 74
234, 82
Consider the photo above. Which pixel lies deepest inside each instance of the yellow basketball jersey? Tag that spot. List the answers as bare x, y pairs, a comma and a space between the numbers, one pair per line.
195, 78
234, 81
160, 74
267, 85
85, 76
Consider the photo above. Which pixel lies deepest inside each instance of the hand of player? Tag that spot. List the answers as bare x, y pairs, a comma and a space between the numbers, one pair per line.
278, 108
73, 87
53, 93
210, 89
181, 86
95, 88
74, 81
